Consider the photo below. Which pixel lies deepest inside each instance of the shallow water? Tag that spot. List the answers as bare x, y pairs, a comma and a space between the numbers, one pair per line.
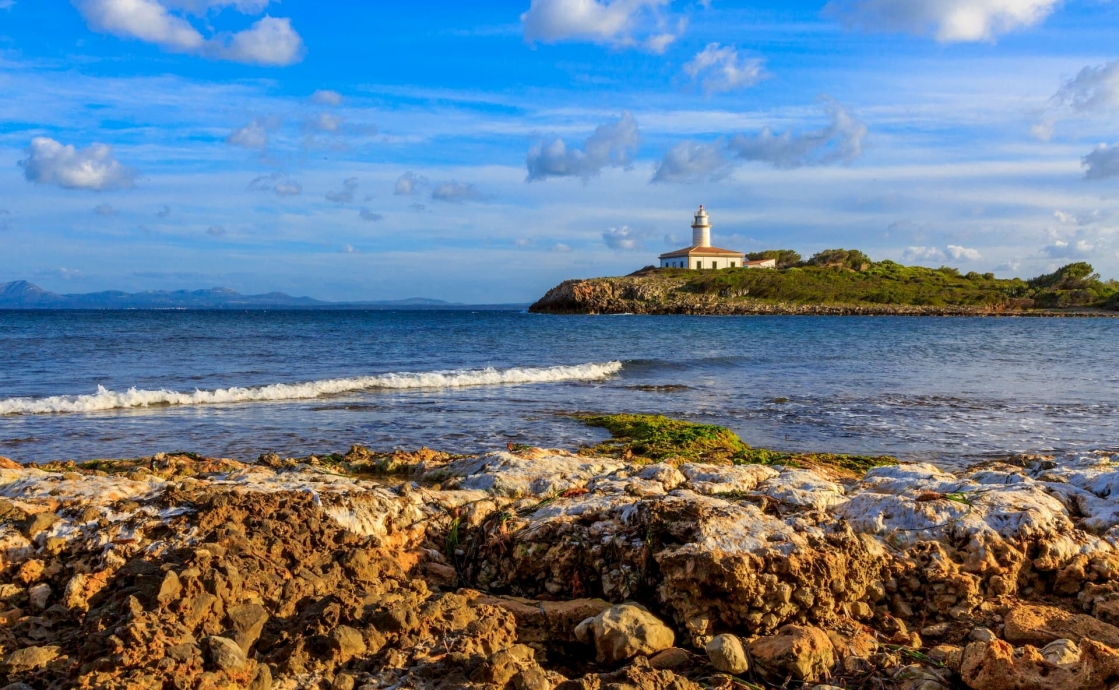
944, 390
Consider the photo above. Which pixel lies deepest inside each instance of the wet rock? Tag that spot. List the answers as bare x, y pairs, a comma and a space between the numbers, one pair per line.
226, 654
1040, 625
995, 666
31, 658
805, 653
624, 631
727, 654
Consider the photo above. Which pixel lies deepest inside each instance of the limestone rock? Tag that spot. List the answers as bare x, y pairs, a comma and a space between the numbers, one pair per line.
803, 652
1061, 652
624, 631
995, 666
1040, 625
31, 658
39, 595
225, 654
727, 655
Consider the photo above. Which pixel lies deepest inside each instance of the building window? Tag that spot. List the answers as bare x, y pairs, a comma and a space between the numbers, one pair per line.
699, 264
732, 264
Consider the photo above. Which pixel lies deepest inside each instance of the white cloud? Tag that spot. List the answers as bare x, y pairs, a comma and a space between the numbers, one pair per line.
922, 254
94, 167
215, 230
269, 41
839, 142
612, 145
691, 161
1060, 249
369, 216
346, 195
963, 253
104, 210
612, 22
253, 135
456, 192
1102, 162
326, 97
950, 21
277, 182
560, 247
1092, 89
720, 68
409, 183
622, 239
323, 122
348, 249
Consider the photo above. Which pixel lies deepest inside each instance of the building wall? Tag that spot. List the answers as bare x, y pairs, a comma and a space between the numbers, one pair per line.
706, 263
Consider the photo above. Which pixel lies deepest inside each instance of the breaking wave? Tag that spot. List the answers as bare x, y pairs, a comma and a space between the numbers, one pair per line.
105, 399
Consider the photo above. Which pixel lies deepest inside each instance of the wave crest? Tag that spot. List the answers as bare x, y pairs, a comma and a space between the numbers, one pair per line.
105, 399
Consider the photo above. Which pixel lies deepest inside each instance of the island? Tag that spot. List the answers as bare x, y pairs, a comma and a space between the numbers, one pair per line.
835, 282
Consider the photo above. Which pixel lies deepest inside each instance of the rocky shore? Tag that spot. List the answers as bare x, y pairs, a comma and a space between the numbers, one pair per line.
540, 569
642, 294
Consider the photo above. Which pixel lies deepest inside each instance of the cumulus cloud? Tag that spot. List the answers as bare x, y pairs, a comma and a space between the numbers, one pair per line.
277, 182
922, 254
949, 21
621, 239
369, 216
409, 183
1093, 88
611, 22
613, 144
1060, 249
1102, 162
94, 167
456, 192
270, 41
104, 210
215, 230
720, 68
346, 195
690, 161
326, 97
841, 141
253, 135
963, 253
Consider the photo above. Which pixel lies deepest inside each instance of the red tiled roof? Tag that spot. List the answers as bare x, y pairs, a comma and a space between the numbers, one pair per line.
701, 251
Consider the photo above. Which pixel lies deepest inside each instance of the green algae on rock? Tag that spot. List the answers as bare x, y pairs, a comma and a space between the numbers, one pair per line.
658, 438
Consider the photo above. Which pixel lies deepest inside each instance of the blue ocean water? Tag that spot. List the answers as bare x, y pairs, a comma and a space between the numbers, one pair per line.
946, 390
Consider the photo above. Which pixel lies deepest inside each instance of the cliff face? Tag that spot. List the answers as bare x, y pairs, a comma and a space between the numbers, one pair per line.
656, 293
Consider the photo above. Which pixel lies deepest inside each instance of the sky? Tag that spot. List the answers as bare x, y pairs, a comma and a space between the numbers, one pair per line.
484, 151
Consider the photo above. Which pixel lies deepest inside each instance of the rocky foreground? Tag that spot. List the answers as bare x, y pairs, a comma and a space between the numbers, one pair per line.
543, 569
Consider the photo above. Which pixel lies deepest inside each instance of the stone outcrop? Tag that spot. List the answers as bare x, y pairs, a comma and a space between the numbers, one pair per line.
515, 570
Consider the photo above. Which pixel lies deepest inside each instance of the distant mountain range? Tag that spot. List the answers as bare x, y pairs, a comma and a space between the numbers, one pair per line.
21, 294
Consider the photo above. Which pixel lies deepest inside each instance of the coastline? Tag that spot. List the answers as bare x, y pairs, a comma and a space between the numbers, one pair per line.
514, 569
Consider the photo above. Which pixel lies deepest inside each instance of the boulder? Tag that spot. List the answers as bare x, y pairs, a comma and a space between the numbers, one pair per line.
348, 641
727, 654
226, 654
39, 522
995, 666
31, 658
246, 623
624, 631
1040, 625
803, 652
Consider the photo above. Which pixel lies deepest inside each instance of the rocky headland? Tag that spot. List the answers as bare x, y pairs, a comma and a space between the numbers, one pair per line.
540, 569
878, 289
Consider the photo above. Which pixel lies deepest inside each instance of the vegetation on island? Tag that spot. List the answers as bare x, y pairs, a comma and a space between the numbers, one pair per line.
848, 276
655, 438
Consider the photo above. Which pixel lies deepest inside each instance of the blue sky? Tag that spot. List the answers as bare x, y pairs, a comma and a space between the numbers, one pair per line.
483, 152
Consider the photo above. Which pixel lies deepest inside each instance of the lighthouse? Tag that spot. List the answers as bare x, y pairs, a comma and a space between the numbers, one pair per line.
701, 229
702, 256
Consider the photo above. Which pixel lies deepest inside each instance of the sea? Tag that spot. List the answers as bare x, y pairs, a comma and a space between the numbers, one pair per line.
951, 391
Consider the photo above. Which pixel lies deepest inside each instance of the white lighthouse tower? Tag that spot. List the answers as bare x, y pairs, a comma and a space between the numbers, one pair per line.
701, 229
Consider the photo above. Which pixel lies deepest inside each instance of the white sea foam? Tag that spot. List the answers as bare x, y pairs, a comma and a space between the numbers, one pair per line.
105, 399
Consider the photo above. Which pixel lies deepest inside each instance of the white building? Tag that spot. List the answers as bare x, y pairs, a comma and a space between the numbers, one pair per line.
701, 255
